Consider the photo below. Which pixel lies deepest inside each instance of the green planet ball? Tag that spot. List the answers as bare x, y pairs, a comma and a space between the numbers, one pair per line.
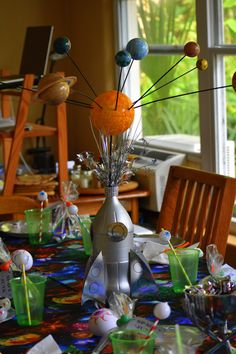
123, 58
62, 45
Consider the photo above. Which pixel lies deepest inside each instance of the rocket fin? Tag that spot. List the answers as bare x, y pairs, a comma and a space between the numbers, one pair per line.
142, 283
94, 282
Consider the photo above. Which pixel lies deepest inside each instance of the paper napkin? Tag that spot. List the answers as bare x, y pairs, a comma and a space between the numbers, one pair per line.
154, 252
45, 346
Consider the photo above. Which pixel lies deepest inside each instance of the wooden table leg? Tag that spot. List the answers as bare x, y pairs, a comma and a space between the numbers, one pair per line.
62, 143
134, 210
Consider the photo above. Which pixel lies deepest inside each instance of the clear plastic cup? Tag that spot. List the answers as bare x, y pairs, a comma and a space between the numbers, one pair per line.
28, 299
189, 259
131, 341
39, 225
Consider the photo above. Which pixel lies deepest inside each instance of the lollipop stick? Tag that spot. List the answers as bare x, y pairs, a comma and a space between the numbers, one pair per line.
26, 294
42, 197
148, 336
180, 264
153, 328
178, 340
41, 222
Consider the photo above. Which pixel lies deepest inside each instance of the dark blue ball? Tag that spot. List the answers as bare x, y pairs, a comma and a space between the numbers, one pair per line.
138, 48
62, 45
123, 58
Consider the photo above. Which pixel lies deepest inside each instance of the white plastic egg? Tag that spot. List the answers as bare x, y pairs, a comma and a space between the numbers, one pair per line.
101, 321
20, 257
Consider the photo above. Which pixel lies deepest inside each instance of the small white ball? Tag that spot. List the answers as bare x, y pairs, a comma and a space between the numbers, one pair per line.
165, 235
73, 209
42, 196
20, 257
3, 313
5, 302
101, 321
162, 310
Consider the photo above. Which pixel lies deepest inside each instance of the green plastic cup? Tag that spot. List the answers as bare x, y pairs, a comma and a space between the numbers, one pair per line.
39, 224
85, 225
131, 341
189, 259
29, 299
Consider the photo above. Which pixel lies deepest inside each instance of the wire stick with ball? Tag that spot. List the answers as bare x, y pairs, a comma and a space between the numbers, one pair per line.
24, 261
165, 235
161, 311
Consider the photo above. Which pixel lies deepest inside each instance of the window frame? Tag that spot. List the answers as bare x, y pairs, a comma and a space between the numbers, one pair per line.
212, 106
213, 120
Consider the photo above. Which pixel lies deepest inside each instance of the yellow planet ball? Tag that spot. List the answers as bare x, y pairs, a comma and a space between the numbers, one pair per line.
202, 64
54, 88
48, 80
108, 118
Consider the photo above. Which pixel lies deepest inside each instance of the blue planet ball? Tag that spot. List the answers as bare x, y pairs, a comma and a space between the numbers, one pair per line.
62, 45
138, 48
123, 58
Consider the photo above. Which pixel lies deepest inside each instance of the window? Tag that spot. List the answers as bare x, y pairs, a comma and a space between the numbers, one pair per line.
167, 25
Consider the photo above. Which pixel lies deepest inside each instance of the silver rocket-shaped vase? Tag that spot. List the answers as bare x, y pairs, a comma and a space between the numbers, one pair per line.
109, 268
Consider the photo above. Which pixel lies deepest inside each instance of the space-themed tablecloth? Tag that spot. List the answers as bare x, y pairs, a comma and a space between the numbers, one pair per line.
65, 319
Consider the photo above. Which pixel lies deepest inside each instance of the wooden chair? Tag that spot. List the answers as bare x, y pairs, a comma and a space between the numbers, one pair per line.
198, 206
5, 99
13, 207
12, 141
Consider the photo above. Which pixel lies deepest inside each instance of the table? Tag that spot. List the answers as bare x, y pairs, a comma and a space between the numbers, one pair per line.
65, 318
90, 204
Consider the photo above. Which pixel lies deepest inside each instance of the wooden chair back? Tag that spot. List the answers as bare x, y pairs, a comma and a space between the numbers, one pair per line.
198, 206
13, 141
13, 207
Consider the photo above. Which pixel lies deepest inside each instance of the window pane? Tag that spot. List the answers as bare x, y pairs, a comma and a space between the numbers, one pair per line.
229, 21
230, 100
173, 115
166, 21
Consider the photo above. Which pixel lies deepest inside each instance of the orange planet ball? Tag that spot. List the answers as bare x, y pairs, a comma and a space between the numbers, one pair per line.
109, 119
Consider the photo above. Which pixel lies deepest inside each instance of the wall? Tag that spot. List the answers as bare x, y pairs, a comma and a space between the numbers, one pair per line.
91, 30
89, 25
